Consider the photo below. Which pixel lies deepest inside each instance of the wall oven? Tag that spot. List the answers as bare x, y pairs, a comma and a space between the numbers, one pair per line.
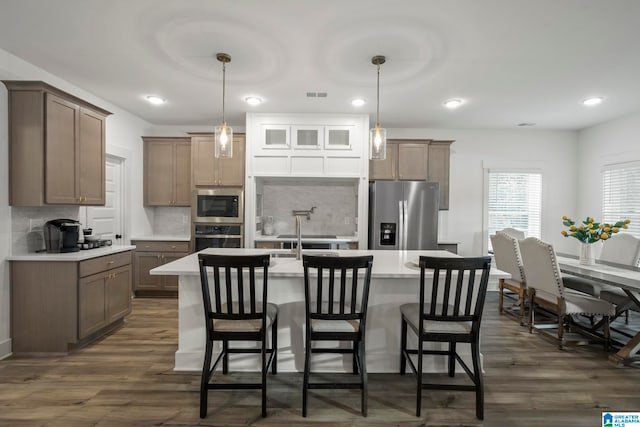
218, 205
217, 236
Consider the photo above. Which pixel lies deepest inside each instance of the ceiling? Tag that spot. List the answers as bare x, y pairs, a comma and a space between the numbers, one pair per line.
511, 61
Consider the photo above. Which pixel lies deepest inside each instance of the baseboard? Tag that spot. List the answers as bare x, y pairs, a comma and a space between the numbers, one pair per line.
5, 349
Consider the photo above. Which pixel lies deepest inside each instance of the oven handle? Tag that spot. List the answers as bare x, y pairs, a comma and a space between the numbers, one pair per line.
219, 236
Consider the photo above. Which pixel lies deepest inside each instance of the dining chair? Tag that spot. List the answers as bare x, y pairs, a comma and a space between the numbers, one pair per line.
448, 311
336, 291
513, 232
621, 249
546, 289
506, 254
237, 310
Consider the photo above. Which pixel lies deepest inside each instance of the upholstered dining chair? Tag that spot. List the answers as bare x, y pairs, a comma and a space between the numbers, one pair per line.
336, 300
546, 289
236, 310
621, 249
449, 310
513, 232
506, 254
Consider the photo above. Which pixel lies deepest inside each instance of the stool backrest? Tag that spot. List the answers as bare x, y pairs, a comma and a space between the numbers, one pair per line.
237, 295
513, 232
337, 288
458, 296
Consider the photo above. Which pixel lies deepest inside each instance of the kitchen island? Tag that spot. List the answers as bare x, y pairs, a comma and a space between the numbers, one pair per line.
395, 281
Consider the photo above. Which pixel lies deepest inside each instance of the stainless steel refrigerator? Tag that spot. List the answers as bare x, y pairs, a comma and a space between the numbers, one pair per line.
403, 215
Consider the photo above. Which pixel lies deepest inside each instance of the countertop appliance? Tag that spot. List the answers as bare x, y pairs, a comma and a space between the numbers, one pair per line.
217, 236
403, 215
61, 235
218, 205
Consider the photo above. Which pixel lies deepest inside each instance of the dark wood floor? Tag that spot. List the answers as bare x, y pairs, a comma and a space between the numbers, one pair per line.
126, 379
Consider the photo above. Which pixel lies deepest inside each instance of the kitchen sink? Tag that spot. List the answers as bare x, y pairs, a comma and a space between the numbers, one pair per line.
307, 236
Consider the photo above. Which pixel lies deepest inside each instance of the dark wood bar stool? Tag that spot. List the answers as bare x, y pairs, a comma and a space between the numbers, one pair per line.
450, 312
238, 312
336, 310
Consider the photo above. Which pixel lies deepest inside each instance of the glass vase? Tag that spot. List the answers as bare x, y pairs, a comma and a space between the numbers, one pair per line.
587, 257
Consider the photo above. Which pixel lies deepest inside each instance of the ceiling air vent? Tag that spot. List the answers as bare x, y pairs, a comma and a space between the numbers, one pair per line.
316, 94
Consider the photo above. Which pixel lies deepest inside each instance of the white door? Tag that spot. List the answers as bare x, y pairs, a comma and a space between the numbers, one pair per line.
106, 220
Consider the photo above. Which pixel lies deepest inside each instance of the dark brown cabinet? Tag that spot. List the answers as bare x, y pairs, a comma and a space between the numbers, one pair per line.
56, 147
151, 254
209, 171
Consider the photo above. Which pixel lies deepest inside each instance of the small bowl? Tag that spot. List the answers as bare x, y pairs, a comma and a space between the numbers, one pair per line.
91, 238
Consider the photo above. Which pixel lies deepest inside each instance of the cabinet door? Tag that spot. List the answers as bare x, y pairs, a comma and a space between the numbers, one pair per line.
182, 186
231, 171
385, 169
61, 137
337, 137
413, 161
118, 293
275, 136
171, 282
307, 137
92, 310
146, 261
202, 155
439, 169
158, 173
91, 158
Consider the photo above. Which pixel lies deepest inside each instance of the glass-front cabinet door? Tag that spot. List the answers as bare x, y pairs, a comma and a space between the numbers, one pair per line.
276, 136
337, 137
307, 137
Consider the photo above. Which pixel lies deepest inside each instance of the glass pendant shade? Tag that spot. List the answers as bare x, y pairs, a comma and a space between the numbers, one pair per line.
223, 142
377, 143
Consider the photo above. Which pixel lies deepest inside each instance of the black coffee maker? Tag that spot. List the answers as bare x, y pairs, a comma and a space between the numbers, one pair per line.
61, 235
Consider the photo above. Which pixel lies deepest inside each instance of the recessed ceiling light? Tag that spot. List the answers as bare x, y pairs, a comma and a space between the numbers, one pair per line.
452, 103
156, 100
595, 100
253, 100
358, 102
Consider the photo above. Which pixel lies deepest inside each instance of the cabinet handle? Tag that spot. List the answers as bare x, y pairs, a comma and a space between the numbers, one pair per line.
173, 247
110, 262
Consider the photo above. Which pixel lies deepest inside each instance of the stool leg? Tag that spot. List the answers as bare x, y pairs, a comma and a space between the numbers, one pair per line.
364, 379
265, 368
477, 373
307, 367
419, 379
225, 357
452, 358
403, 347
274, 345
204, 379
354, 361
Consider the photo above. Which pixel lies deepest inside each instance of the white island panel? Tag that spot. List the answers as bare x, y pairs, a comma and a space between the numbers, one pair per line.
395, 281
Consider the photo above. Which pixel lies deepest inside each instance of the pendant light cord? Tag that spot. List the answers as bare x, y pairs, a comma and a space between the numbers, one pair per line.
224, 74
378, 99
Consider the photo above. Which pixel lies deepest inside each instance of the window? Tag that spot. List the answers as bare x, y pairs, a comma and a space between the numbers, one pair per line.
621, 195
514, 201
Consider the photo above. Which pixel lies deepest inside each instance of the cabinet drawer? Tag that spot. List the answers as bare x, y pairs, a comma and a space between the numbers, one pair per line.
161, 246
96, 265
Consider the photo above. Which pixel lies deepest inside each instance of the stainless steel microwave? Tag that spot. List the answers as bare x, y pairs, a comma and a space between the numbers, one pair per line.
218, 205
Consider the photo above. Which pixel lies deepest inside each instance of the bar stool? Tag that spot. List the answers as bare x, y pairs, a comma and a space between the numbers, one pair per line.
336, 310
239, 312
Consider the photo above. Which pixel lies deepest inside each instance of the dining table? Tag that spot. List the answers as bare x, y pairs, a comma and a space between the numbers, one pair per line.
622, 276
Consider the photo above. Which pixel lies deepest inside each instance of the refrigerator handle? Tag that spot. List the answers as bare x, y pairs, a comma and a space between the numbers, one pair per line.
405, 227
401, 224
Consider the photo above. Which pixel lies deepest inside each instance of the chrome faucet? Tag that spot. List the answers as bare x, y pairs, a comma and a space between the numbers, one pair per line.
299, 214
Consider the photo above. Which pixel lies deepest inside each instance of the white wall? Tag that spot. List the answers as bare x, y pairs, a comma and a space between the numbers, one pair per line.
123, 139
612, 142
552, 151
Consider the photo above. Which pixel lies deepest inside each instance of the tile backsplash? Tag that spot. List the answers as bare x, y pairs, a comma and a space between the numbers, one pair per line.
27, 225
335, 206
172, 221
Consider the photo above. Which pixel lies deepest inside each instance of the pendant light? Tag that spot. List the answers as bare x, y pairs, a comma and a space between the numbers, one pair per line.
223, 134
378, 135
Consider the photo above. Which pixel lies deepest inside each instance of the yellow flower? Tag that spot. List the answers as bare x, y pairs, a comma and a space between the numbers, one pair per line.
592, 231
604, 236
607, 229
625, 226
564, 217
563, 232
616, 229
627, 221
590, 225
601, 225
572, 228
581, 227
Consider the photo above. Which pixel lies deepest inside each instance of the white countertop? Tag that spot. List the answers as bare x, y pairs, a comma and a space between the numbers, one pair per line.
275, 238
163, 237
72, 256
385, 263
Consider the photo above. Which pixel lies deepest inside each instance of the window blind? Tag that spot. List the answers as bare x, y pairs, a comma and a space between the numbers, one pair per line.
621, 195
515, 201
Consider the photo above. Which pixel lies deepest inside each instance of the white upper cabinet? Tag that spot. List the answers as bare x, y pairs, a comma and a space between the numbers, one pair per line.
319, 145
